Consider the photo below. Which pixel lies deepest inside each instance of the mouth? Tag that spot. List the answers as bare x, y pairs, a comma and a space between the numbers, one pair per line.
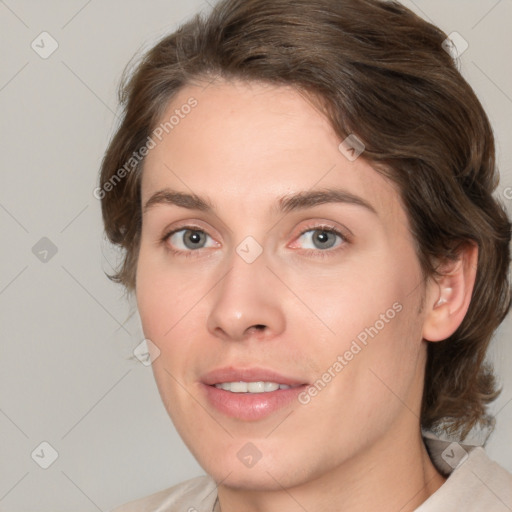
251, 387
250, 394
250, 380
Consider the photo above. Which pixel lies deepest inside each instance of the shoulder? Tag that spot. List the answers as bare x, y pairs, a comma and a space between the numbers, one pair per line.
194, 495
477, 483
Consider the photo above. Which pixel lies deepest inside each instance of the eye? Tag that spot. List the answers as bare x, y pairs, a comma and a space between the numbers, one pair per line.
321, 237
187, 239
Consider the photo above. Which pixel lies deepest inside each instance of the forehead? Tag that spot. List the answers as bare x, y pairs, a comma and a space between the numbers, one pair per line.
255, 141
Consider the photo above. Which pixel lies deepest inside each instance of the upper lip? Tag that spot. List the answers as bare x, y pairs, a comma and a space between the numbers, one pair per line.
232, 374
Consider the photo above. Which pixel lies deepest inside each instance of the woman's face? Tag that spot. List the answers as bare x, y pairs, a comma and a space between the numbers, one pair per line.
290, 262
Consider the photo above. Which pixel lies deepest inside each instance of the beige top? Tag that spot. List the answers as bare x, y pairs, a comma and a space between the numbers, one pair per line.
475, 483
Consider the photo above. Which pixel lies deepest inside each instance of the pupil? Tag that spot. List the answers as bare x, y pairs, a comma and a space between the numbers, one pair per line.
322, 237
194, 238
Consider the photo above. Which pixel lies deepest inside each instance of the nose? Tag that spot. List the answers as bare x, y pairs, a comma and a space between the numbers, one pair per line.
246, 303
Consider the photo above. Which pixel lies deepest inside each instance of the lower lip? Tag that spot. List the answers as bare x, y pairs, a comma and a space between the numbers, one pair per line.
250, 406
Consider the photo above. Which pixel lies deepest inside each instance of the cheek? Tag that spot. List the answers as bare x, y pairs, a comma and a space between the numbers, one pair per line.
361, 303
374, 338
165, 295
171, 309
375, 381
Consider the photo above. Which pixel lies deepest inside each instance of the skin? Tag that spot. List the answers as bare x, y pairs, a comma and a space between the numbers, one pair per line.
357, 444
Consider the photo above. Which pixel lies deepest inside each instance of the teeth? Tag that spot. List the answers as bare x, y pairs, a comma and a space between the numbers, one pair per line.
251, 387
254, 387
271, 386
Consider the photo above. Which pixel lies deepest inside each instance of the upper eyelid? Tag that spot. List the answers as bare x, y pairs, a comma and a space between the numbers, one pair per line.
315, 227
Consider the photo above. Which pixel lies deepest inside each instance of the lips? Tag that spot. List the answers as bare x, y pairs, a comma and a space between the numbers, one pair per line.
232, 374
250, 406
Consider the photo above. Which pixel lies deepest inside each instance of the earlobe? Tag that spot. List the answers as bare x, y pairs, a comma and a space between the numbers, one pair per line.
449, 295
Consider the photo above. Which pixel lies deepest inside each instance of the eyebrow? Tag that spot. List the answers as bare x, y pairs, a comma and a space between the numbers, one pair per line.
285, 204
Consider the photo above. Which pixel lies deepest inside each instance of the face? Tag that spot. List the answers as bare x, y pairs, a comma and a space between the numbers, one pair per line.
272, 257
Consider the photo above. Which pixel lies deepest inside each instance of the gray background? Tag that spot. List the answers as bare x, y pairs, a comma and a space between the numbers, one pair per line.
66, 376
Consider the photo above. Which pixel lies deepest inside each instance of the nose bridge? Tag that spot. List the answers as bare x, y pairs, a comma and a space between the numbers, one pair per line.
245, 297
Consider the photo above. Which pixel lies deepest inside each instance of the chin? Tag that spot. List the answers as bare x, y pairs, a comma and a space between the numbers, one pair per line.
265, 475
251, 479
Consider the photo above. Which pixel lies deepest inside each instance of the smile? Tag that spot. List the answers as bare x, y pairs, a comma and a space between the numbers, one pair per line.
251, 387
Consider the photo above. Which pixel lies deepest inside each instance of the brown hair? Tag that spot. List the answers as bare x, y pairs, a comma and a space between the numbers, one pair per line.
380, 73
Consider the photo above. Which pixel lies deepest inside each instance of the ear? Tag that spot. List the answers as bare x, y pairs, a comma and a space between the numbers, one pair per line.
448, 296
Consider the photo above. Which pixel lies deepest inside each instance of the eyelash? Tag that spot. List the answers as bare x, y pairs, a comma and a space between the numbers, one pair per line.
317, 253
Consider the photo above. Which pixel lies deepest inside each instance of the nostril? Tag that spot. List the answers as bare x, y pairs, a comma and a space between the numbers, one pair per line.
258, 327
